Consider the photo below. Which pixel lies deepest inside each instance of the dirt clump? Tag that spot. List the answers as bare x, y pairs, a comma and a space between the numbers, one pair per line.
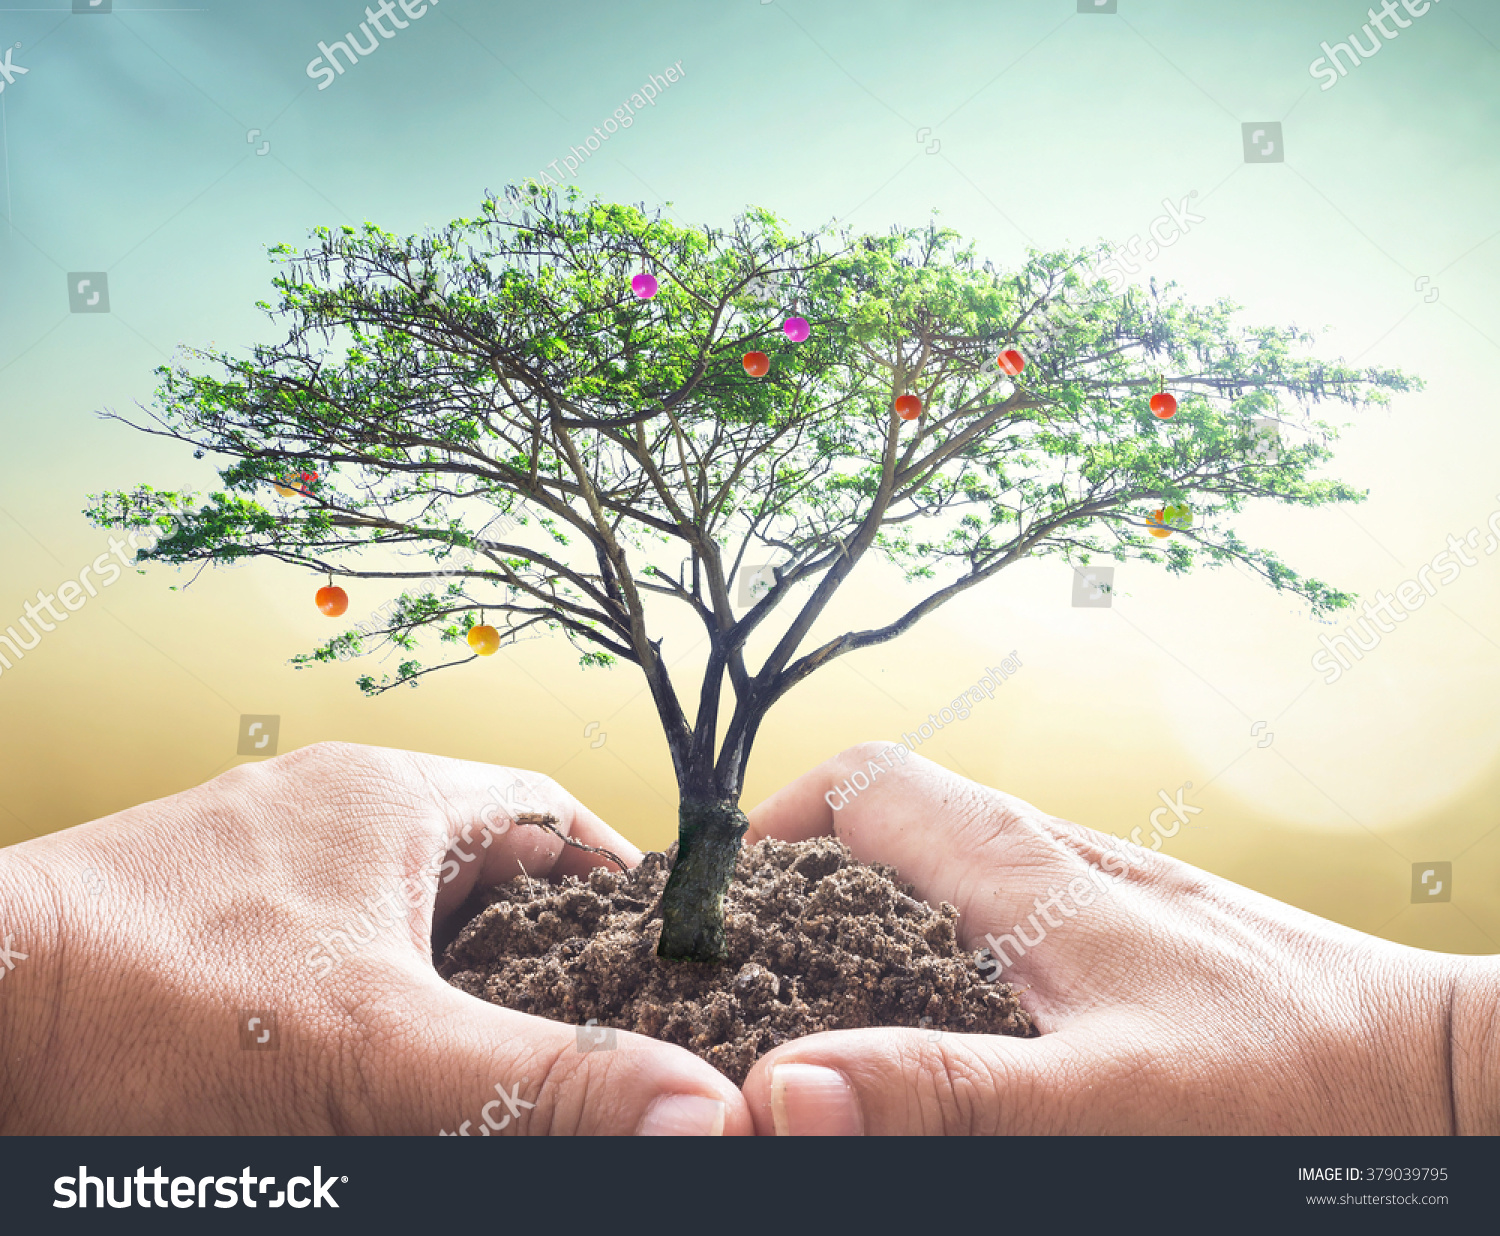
817, 942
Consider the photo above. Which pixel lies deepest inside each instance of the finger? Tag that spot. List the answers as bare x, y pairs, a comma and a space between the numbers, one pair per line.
1018, 878
530, 794
453, 1063
417, 833
814, 805
484, 842
953, 839
795, 812
904, 1082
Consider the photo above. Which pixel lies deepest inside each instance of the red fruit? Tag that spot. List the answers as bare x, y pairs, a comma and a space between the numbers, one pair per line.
297, 483
1163, 405
908, 407
332, 601
757, 364
1011, 362
484, 640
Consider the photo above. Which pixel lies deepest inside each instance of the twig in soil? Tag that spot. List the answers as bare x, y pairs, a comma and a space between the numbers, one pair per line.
651, 913
527, 874
546, 820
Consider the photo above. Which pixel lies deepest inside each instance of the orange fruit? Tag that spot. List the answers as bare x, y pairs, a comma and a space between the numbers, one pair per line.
1163, 405
484, 640
332, 601
757, 364
1157, 528
908, 407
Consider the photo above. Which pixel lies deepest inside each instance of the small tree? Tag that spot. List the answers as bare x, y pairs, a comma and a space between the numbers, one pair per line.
503, 369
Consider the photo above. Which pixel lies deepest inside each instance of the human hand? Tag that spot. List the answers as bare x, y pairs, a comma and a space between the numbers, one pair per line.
121, 1014
1173, 1002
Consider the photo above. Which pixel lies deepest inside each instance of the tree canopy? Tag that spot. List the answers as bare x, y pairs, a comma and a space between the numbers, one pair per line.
489, 419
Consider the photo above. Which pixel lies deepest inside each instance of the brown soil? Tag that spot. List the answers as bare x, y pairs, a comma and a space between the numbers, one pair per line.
817, 942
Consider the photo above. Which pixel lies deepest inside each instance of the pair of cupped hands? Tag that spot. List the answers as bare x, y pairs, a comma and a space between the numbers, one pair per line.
1176, 1003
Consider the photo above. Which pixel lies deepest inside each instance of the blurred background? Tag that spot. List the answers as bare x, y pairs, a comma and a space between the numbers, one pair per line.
157, 152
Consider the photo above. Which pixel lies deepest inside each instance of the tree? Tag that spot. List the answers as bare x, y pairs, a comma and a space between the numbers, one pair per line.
503, 369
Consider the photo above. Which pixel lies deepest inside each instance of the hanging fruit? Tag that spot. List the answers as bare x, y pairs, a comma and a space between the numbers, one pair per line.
1163, 406
757, 364
1157, 526
295, 483
908, 407
1011, 362
796, 329
644, 285
484, 640
332, 600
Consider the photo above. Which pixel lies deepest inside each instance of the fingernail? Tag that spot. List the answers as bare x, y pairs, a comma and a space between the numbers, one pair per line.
684, 1115
808, 1100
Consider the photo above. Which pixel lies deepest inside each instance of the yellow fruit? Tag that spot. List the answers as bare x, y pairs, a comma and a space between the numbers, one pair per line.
484, 640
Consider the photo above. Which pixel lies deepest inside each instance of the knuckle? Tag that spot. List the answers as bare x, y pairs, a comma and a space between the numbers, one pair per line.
357, 1092
580, 1092
963, 1091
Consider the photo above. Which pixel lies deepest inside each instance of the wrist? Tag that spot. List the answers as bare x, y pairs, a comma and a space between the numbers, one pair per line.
1474, 1051
29, 989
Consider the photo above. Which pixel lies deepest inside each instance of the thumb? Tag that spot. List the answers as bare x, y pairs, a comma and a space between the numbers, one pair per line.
883, 1082
447, 1062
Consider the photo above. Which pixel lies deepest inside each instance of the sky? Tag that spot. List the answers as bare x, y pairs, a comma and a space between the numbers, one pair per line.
154, 154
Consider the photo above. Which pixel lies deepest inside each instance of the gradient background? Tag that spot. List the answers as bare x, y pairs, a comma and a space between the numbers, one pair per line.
126, 150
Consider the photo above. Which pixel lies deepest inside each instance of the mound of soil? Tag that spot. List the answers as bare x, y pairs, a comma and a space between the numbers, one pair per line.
817, 942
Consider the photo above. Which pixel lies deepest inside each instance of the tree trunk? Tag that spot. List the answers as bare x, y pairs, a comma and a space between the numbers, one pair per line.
709, 831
